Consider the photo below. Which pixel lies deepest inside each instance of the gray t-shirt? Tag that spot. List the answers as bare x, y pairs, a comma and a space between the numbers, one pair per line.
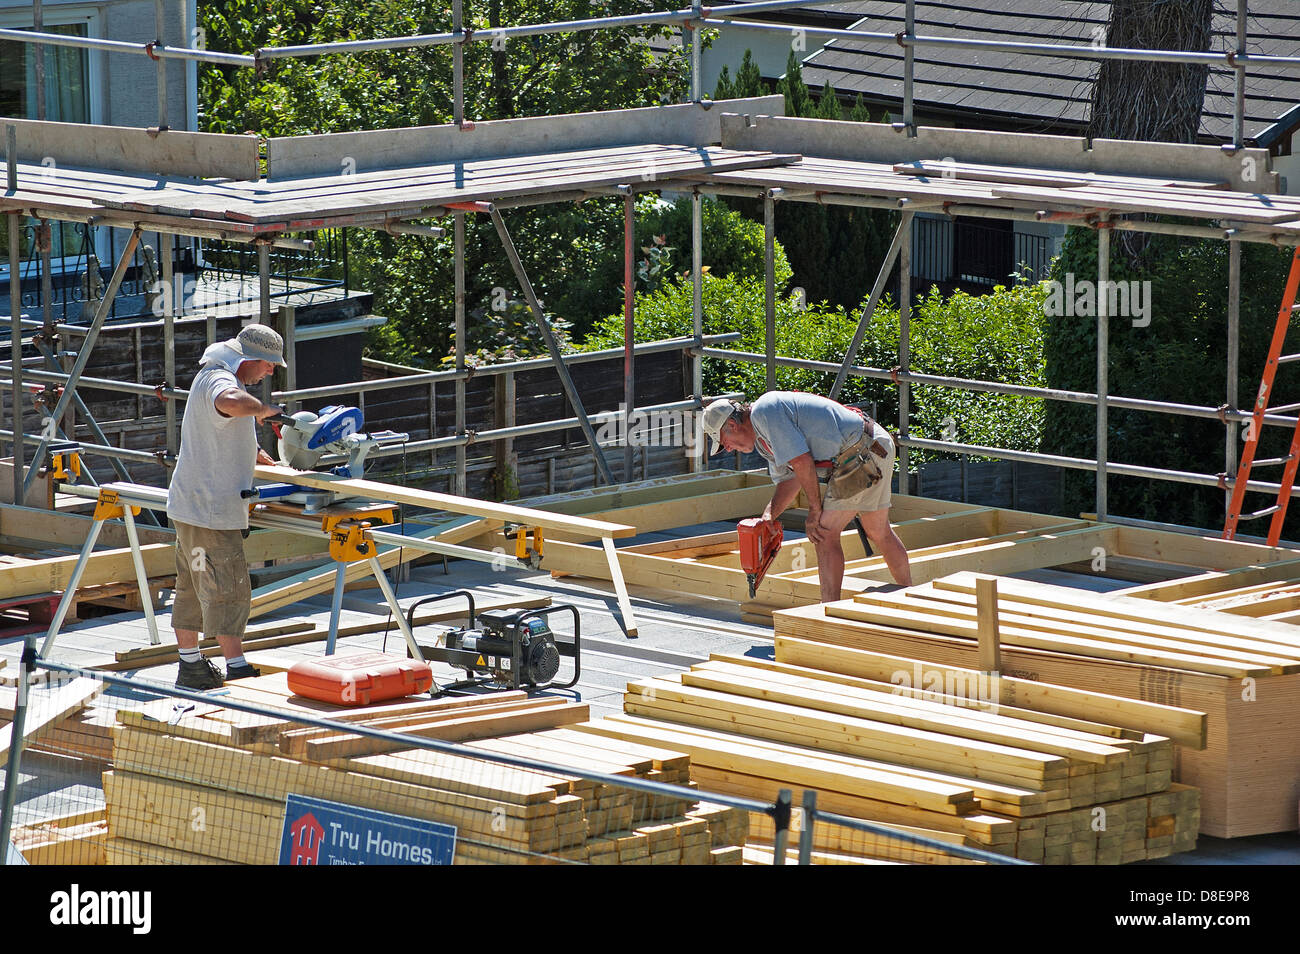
790, 423
217, 456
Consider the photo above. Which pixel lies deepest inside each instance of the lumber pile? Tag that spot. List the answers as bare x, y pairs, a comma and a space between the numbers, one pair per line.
956, 767
1244, 674
235, 770
75, 839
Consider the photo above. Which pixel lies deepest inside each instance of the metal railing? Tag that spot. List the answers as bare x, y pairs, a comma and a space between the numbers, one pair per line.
236, 776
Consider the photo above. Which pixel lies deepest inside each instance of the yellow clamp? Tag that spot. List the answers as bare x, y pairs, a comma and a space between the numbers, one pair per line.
350, 542
66, 465
525, 553
107, 506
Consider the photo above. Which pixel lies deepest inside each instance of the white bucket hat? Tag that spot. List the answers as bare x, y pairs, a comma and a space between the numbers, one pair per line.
259, 343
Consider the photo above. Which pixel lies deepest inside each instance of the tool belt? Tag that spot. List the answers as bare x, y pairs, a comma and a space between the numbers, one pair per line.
854, 469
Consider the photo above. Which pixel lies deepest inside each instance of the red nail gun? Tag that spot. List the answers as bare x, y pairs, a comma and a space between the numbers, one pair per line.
760, 542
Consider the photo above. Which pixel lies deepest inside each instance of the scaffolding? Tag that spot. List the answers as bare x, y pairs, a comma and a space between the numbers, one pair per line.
152, 180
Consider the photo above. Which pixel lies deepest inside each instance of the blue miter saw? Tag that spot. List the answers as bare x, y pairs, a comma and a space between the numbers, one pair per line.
305, 437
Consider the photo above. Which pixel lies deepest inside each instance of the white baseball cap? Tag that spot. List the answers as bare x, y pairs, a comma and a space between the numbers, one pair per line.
714, 418
259, 343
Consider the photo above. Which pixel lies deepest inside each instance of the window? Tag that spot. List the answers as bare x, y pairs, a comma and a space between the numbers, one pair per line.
67, 99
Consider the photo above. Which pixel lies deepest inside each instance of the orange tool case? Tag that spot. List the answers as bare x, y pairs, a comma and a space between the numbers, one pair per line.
360, 679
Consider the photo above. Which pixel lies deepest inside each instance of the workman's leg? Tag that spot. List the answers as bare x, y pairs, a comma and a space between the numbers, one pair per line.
886, 542
830, 552
219, 575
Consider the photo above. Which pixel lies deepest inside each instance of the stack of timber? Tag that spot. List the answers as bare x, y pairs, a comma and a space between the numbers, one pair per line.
78, 838
1014, 778
237, 768
1244, 674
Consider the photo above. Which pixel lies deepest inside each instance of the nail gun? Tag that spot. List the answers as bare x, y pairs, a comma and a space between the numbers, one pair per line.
760, 542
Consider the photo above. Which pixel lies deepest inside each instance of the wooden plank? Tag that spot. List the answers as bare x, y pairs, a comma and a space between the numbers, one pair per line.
46, 707
1215, 581
918, 747
969, 689
544, 714
1106, 628
798, 766
1136, 651
950, 720
1135, 610
620, 587
1184, 726
986, 597
1032, 176
427, 498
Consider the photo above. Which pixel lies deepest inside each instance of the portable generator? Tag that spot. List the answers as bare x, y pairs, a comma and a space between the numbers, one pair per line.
512, 647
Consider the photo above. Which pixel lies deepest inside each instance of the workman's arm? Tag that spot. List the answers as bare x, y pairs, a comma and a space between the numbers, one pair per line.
805, 479
237, 403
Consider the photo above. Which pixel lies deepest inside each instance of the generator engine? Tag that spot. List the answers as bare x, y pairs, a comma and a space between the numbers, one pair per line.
513, 647
506, 642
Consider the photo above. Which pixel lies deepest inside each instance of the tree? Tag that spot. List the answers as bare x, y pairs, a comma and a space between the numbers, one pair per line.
572, 253
1178, 352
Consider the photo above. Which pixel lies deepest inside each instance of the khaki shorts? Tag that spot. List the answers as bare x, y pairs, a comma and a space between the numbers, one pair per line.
213, 592
875, 497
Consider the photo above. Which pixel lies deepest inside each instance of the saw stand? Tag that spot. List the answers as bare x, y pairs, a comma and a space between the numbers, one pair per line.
347, 526
350, 542
108, 506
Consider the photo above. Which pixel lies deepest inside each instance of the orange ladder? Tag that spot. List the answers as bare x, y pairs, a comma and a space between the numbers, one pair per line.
1256, 427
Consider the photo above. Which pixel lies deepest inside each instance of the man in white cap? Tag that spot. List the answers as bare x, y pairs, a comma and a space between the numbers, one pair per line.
797, 433
218, 452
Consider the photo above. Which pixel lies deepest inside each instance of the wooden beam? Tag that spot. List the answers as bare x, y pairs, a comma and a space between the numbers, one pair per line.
620, 587
1215, 581
46, 707
436, 501
986, 597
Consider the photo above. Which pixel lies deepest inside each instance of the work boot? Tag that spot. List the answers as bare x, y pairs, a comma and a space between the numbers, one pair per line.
200, 675
242, 672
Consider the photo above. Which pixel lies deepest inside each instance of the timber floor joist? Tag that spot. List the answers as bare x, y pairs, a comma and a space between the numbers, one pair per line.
942, 537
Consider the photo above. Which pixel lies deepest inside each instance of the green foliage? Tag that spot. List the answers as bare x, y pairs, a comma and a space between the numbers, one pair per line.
573, 253
749, 78
995, 337
835, 251
798, 101
1179, 357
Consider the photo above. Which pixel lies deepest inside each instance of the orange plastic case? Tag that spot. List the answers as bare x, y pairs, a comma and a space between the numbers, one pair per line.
360, 679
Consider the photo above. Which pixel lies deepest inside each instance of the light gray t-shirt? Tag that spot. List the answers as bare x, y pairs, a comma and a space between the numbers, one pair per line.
790, 423
217, 453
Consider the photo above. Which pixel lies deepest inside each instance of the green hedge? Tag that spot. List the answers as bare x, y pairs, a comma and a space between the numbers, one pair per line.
996, 337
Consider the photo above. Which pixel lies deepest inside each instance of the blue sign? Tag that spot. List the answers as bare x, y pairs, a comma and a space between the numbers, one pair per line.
317, 832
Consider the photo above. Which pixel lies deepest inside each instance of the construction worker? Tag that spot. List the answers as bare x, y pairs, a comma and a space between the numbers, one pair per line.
799, 433
218, 453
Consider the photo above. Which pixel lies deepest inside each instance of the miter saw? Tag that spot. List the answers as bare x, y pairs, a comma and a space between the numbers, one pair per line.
305, 437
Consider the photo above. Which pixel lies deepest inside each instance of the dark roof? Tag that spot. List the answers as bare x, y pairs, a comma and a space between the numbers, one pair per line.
1027, 92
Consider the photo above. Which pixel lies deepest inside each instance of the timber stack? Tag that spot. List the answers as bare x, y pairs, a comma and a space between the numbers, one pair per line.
236, 769
1018, 777
1244, 674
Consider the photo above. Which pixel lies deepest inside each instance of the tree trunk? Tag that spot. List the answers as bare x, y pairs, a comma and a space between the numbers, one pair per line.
1156, 102
1159, 102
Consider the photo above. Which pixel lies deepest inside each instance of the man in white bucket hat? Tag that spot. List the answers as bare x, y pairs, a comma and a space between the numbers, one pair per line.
218, 452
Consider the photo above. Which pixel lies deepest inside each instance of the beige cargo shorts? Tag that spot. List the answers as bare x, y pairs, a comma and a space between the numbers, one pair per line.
213, 592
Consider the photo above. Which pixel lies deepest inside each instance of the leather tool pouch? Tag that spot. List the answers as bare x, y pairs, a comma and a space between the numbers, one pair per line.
855, 472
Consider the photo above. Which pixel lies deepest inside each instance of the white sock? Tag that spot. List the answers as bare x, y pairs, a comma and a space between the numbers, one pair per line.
235, 663
191, 655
